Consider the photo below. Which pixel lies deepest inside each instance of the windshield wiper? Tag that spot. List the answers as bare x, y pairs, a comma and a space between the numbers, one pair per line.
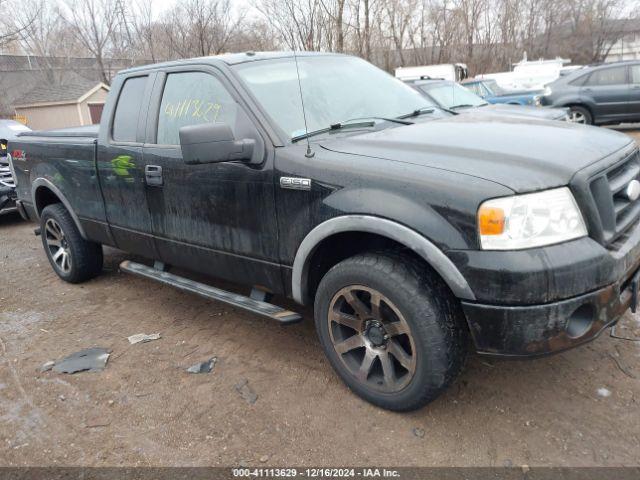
462, 105
423, 110
351, 123
385, 119
335, 126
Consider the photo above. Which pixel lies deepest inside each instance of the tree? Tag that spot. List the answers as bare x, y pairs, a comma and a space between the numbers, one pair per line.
93, 23
200, 27
301, 24
10, 30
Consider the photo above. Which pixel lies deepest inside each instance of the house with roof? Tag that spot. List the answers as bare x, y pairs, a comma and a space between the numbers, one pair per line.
59, 106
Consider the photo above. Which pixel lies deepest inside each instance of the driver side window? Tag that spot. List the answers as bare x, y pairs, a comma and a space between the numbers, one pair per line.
192, 98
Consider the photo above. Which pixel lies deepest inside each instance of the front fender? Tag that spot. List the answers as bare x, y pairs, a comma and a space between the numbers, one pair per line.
420, 216
379, 226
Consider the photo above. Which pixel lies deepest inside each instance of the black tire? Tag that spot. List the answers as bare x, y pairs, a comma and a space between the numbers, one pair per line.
432, 313
85, 258
579, 114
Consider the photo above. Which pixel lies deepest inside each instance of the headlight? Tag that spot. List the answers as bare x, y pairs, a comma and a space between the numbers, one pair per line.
531, 220
537, 101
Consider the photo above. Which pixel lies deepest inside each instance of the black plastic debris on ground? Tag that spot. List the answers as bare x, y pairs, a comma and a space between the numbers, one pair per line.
246, 391
90, 359
203, 367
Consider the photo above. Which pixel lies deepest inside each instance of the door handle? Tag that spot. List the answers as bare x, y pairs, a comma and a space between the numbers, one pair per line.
153, 175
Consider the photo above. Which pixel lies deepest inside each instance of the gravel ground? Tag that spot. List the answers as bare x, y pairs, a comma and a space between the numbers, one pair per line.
579, 408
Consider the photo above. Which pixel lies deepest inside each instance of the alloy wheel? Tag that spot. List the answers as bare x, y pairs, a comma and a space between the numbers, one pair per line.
577, 117
372, 338
57, 245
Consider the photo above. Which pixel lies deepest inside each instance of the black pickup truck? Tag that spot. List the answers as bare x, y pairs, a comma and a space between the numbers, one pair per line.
412, 231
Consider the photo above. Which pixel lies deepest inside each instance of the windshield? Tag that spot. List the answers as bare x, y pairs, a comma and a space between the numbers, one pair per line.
335, 89
452, 95
493, 87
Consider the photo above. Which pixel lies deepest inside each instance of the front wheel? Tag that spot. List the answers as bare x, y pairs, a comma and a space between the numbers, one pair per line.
72, 257
390, 329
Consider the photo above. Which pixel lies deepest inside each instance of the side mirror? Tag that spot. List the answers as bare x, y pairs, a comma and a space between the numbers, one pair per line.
213, 143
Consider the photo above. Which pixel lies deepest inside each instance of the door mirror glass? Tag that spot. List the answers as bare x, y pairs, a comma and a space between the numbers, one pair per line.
213, 143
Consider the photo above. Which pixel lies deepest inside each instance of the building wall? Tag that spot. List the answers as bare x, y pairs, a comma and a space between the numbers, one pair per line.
61, 116
627, 48
51, 116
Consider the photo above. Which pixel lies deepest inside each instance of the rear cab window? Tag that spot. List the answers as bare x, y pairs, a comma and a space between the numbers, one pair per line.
192, 98
128, 108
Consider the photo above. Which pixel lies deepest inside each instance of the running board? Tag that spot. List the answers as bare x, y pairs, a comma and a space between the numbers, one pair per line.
264, 309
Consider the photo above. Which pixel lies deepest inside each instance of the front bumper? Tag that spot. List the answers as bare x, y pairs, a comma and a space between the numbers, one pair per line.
533, 330
545, 300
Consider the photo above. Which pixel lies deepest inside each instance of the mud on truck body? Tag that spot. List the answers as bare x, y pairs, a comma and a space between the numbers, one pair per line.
414, 233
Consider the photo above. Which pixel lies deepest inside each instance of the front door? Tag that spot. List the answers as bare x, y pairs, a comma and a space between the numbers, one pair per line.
218, 218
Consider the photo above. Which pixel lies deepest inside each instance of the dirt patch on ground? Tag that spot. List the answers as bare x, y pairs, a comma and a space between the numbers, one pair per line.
579, 408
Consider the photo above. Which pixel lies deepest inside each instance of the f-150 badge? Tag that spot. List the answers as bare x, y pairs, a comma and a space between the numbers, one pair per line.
295, 183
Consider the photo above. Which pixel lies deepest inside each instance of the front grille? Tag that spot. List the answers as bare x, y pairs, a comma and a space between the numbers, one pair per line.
6, 178
617, 211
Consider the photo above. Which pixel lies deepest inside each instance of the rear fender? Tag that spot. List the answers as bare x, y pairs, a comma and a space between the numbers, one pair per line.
43, 183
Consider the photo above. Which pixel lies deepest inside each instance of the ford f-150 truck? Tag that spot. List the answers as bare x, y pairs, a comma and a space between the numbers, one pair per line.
413, 232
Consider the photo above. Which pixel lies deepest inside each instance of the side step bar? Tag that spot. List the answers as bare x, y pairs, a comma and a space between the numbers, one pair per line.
254, 306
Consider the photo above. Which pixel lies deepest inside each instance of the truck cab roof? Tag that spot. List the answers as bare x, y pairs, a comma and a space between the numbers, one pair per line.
230, 59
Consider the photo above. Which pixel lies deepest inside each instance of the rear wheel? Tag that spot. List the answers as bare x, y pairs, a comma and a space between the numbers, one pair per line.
72, 257
580, 115
391, 330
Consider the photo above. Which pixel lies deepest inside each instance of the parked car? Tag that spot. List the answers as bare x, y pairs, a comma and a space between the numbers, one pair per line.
603, 94
407, 232
8, 130
493, 93
452, 96
447, 71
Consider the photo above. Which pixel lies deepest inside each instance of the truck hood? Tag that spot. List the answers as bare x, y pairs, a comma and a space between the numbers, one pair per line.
521, 153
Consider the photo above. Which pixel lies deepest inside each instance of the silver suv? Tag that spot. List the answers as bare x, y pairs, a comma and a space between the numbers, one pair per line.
598, 95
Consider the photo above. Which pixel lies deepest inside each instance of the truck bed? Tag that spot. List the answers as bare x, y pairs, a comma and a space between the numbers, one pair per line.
64, 158
88, 131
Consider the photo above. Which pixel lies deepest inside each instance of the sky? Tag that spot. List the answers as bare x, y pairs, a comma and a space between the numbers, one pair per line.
161, 6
